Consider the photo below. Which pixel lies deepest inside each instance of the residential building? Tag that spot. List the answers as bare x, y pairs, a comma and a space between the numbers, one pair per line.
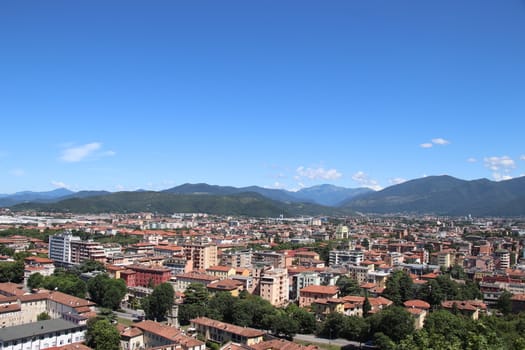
87, 250
202, 255
183, 280
60, 247
341, 257
158, 335
221, 332
309, 294
269, 258
145, 276
273, 286
41, 335
301, 280
239, 259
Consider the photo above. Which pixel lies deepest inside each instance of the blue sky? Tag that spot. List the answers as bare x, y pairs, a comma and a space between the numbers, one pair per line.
120, 95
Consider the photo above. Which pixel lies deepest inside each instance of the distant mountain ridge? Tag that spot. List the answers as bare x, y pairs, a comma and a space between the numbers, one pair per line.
328, 195
441, 195
446, 195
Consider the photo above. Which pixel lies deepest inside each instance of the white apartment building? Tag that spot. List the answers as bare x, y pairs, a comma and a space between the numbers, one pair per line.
60, 247
340, 257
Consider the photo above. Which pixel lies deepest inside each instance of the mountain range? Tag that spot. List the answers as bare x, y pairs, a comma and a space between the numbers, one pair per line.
440, 195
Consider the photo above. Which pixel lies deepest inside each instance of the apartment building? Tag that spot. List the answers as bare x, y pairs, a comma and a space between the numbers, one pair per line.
238, 259
60, 247
273, 286
341, 257
144, 276
183, 280
87, 250
269, 258
301, 280
202, 255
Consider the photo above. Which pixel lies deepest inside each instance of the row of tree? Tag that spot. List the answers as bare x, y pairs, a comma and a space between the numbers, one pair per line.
246, 310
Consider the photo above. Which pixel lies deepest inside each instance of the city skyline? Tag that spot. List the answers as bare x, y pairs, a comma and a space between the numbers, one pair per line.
113, 96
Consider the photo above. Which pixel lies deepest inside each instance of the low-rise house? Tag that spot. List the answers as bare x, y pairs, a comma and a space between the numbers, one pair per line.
221, 332
158, 335
309, 294
470, 308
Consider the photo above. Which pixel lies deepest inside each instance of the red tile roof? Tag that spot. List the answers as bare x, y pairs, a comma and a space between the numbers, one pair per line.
227, 327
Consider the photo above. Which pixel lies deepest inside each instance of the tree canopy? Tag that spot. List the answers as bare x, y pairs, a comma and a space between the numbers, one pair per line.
106, 292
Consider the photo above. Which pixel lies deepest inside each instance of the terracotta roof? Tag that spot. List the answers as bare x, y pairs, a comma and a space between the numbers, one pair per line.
416, 303
227, 284
470, 305
11, 288
9, 308
331, 290
167, 332
219, 268
281, 344
131, 332
227, 327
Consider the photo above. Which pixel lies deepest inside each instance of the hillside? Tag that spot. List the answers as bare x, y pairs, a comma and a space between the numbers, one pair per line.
446, 195
245, 204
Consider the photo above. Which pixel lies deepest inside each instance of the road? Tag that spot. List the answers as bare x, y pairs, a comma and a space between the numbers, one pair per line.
313, 339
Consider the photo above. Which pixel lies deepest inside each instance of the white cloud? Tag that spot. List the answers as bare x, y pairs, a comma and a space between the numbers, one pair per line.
440, 141
504, 163
500, 166
522, 157
472, 160
80, 153
397, 181
317, 173
501, 177
435, 141
59, 184
17, 172
363, 179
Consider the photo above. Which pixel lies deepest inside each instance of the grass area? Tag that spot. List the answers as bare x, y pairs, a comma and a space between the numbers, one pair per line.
320, 345
124, 321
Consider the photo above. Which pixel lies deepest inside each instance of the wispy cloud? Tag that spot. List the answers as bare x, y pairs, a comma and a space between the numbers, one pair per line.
317, 173
435, 141
17, 172
396, 181
89, 150
500, 166
522, 157
364, 180
59, 184
440, 141
472, 160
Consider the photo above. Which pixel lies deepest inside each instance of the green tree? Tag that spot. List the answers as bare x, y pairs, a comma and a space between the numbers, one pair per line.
367, 307
66, 283
355, 328
305, 320
395, 322
504, 303
12, 271
43, 316
196, 298
106, 291
220, 307
102, 335
399, 288
333, 326
348, 286
159, 302
90, 266
35, 280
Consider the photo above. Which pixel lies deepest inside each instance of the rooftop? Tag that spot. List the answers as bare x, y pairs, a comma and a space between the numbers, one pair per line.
36, 329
